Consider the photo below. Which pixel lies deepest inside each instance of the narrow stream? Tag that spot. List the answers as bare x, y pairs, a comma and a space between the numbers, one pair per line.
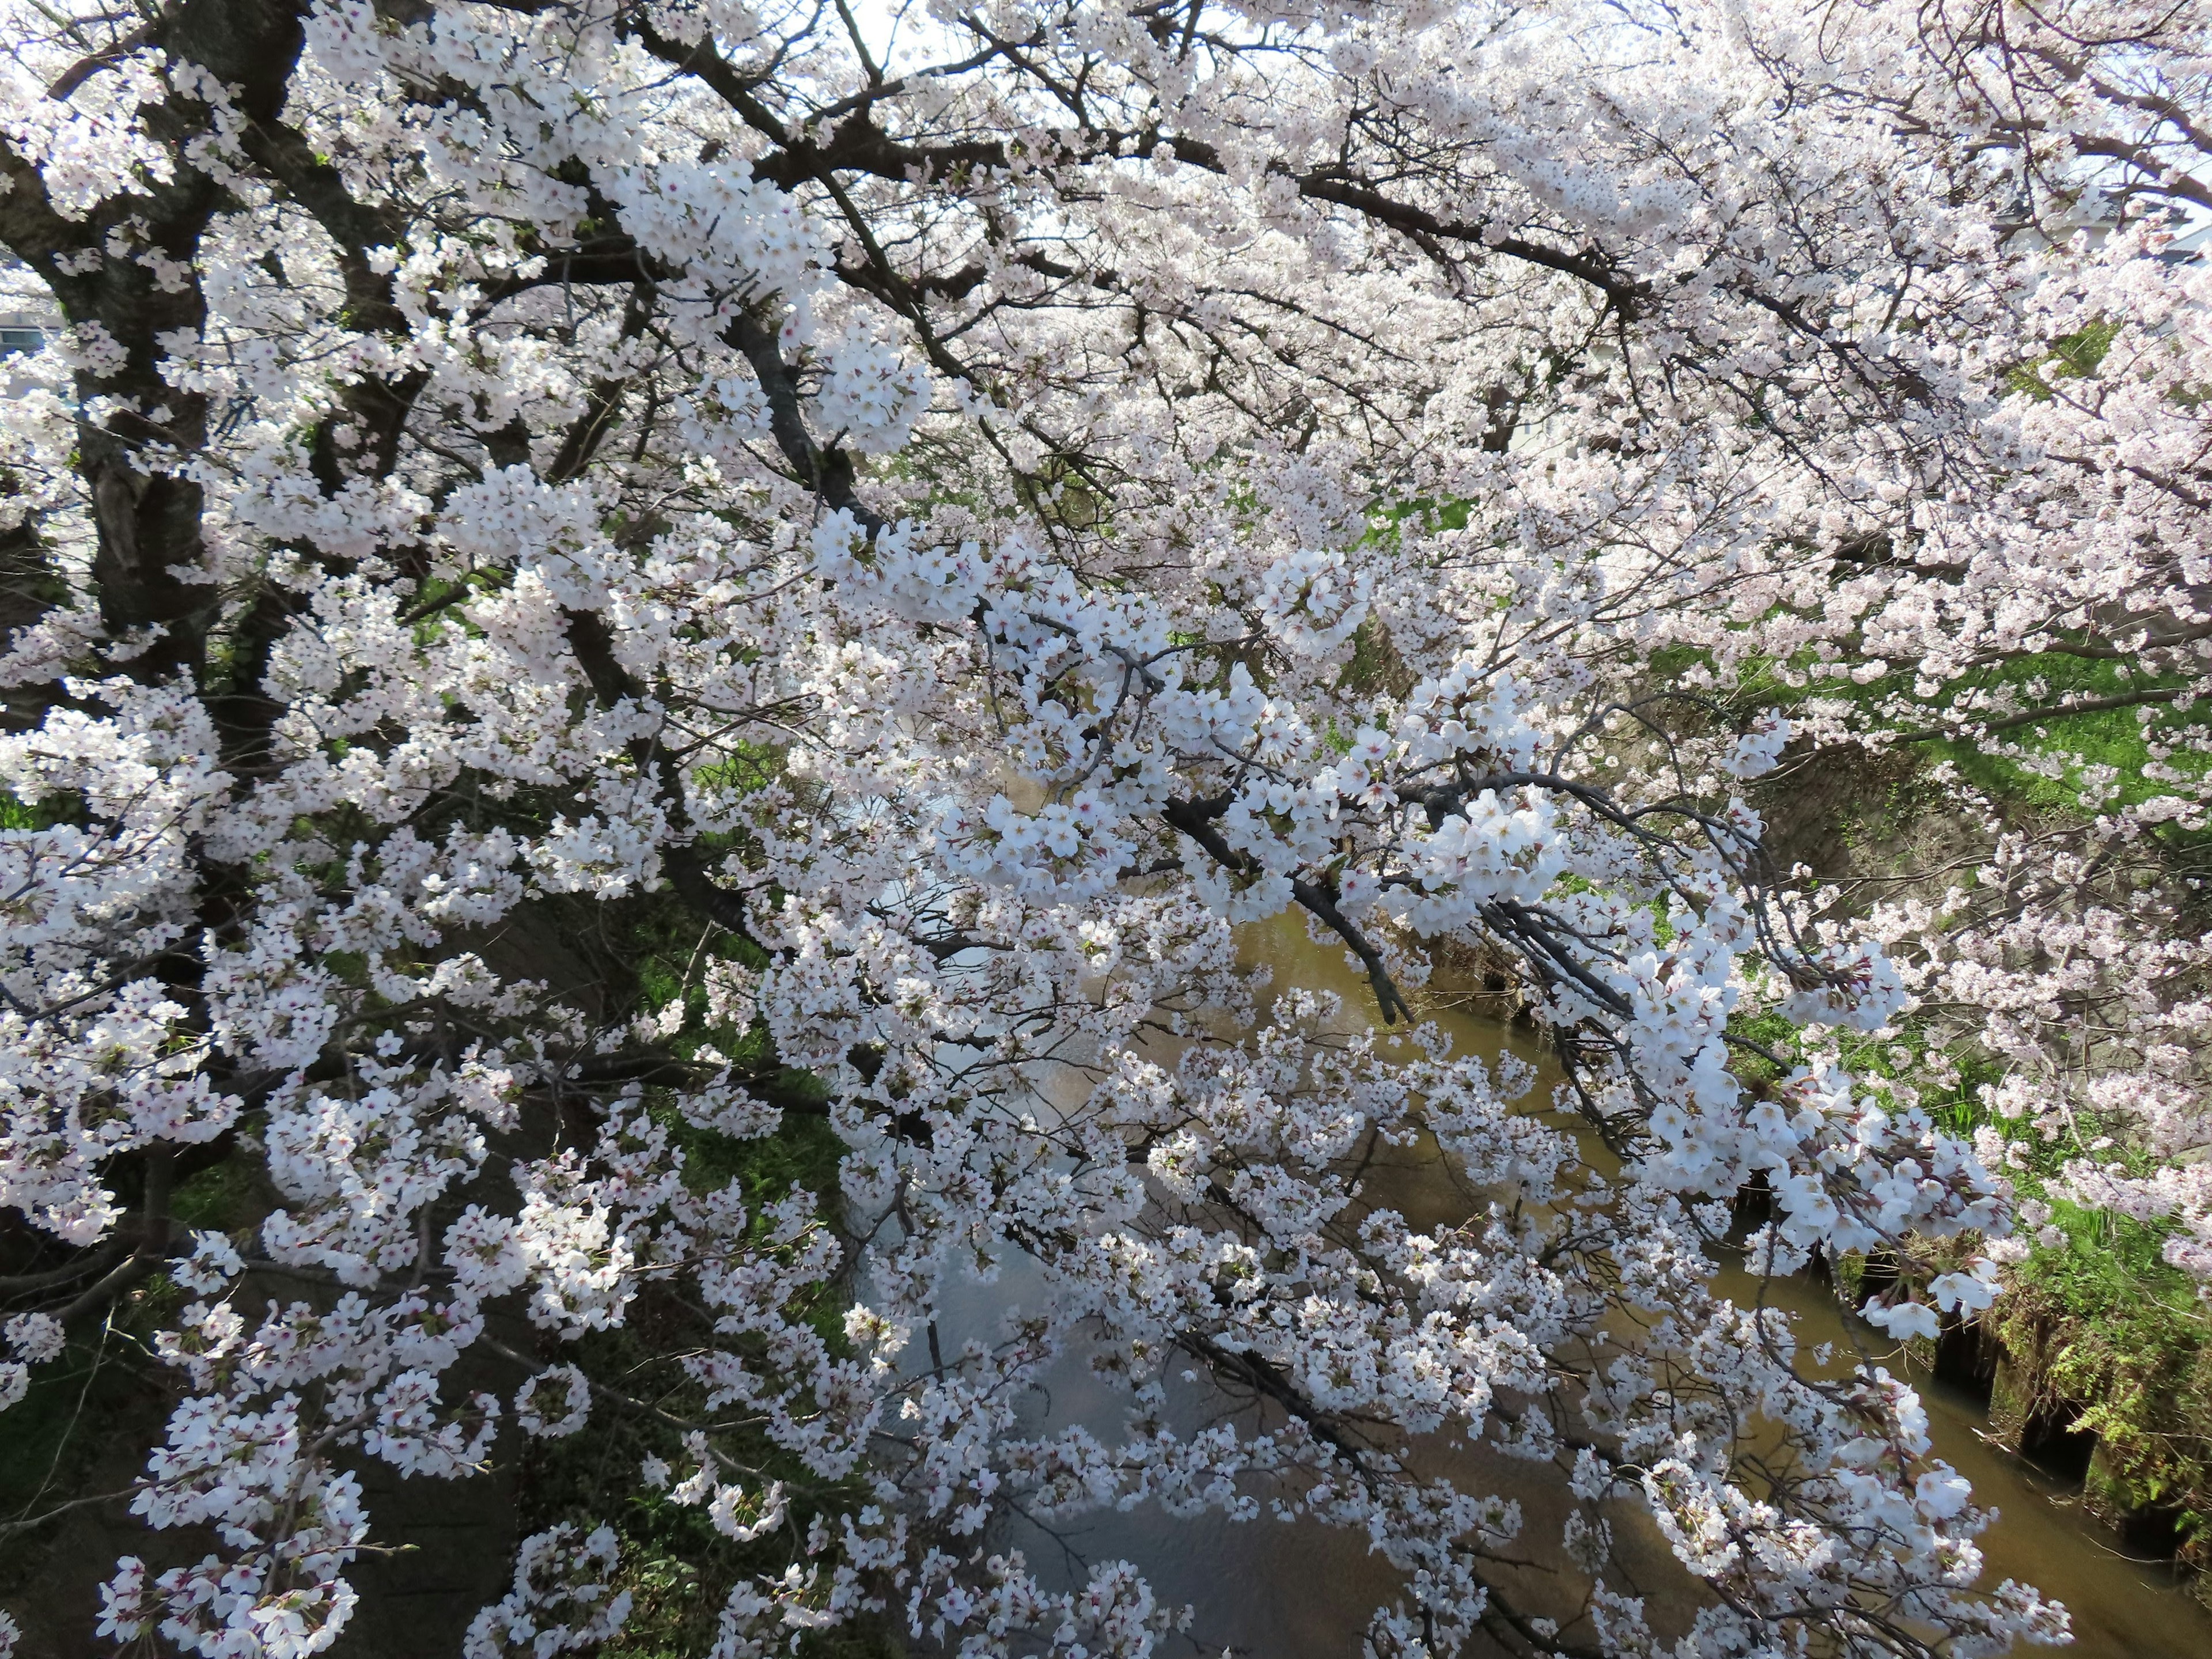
1304, 1591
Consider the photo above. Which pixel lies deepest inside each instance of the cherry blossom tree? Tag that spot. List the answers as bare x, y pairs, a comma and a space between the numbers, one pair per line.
945, 518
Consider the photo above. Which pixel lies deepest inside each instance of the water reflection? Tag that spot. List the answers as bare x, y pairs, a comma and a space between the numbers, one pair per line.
1304, 1591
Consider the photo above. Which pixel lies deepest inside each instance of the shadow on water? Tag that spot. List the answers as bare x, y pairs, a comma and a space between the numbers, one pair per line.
1304, 1591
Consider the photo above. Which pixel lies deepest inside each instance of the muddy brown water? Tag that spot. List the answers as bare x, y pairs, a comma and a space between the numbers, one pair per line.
1301, 1590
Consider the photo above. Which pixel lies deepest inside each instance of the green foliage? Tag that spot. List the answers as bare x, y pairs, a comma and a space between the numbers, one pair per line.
803, 1154
1424, 514
220, 1200
2107, 752
2116, 739
2119, 738
2072, 356
2120, 1333
19, 814
1772, 1033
